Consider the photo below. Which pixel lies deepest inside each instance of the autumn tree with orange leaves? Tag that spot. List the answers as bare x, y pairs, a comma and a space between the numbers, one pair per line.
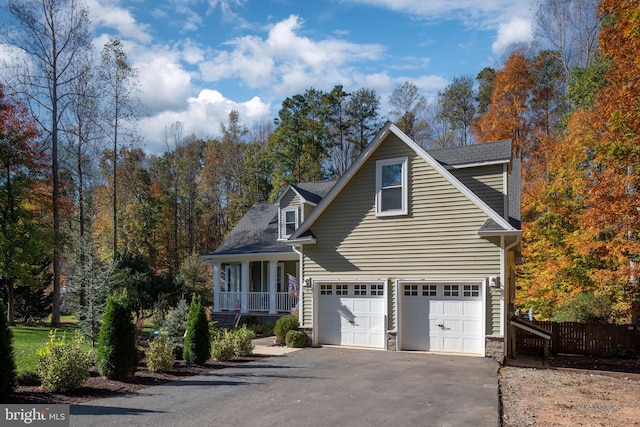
611, 222
580, 191
25, 235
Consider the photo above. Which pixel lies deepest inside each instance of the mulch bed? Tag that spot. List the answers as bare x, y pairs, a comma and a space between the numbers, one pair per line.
97, 387
631, 366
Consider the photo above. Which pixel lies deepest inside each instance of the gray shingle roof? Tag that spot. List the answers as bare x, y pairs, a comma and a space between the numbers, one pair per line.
476, 153
257, 232
314, 191
487, 152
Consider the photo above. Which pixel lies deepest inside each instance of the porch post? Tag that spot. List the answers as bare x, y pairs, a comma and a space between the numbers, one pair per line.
244, 286
273, 267
216, 287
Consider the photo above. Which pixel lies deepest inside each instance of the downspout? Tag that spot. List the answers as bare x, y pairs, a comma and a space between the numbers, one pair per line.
298, 250
507, 328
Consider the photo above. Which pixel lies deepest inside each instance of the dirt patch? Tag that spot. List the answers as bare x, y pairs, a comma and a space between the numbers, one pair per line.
570, 393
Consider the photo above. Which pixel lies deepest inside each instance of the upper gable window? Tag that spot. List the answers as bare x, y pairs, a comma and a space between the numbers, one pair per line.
290, 222
391, 187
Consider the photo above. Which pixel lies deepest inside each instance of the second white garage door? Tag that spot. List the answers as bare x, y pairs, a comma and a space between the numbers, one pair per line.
351, 314
445, 317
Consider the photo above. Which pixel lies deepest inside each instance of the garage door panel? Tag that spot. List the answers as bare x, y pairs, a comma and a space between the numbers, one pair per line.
444, 317
451, 308
354, 317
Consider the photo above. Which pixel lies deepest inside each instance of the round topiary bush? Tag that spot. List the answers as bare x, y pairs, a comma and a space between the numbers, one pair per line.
296, 339
284, 325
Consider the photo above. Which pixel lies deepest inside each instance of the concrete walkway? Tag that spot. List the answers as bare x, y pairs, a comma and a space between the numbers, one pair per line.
316, 387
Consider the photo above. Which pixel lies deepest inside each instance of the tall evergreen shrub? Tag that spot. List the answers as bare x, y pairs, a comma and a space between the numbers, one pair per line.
117, 355
197, 341
7, 362
176, 326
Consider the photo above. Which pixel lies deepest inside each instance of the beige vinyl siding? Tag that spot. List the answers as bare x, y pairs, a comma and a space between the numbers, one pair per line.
289, 200
438, 238
493, 325
487, 182
307, 302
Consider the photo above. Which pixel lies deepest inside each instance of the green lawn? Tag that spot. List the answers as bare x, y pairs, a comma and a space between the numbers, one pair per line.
28, 339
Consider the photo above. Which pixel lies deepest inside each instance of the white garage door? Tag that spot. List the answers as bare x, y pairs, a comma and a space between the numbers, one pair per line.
444, 317
351, 314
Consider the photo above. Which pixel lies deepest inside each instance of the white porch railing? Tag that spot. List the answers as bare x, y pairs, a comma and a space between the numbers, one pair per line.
230, 301
285, 301
257, 301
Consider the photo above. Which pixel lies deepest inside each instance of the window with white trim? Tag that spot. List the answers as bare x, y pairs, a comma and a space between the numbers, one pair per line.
360, 290
471, 290
342, 290
289, 222
451, 290
392, 187
377, 290
429, 290
410, 290
326, 289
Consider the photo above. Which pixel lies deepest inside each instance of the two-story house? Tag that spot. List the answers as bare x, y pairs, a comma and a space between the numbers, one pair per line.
411, 249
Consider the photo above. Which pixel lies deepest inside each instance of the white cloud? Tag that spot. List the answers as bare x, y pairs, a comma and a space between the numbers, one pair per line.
287, 61
486, 14
106, 13
164, 84
202, 117
517, 30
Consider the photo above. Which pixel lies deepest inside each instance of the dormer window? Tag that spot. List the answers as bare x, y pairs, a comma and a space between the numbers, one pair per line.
391, 187
290, 222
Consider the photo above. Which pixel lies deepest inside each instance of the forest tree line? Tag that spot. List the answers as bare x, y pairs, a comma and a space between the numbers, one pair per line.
83, 204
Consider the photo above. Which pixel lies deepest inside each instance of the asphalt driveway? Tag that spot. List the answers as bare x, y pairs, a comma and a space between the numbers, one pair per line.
316, 387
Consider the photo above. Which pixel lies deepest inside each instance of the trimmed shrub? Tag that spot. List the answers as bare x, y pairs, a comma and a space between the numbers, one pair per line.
197, 341
7, 362
176, 326
63, 365
262, 328
296, 339
117, 355
223, 347
160, 354
284, 325
242, 345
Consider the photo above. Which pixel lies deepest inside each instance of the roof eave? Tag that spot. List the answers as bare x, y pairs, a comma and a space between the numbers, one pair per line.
306, 240
506, 233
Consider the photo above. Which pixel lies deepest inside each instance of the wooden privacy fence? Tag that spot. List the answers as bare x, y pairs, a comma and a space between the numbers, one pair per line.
580, 338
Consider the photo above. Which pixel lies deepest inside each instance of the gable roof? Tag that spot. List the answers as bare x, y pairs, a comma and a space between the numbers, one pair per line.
502, 225
256, 232
487, 153
309, 192
472, 155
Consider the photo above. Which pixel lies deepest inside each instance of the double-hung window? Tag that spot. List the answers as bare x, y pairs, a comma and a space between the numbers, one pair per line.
290, 222
391, 187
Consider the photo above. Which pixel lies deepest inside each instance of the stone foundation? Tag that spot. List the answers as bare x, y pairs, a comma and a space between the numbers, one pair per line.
391, 341
494, 347
307, 332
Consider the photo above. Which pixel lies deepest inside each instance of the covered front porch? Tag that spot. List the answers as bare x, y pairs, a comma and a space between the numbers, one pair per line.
257, 284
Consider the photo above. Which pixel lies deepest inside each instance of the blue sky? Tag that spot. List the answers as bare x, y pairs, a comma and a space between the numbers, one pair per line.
198, 59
